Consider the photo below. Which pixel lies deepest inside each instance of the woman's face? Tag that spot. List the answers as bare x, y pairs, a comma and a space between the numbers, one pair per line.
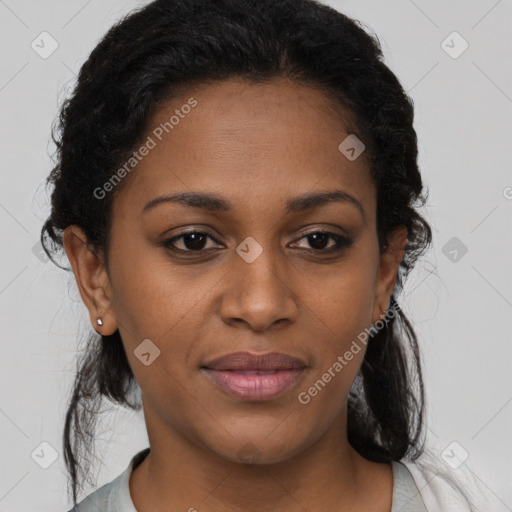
254, 281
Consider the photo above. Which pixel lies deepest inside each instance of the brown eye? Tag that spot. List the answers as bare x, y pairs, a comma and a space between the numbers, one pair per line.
319, 240
192, 241
196, 241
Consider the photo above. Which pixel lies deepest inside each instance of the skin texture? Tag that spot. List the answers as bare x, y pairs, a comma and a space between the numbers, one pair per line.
257, 145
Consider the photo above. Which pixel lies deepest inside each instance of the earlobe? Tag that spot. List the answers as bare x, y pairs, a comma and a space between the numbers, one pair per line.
91, 278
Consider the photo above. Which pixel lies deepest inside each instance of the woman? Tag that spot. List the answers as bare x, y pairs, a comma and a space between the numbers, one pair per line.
236, 190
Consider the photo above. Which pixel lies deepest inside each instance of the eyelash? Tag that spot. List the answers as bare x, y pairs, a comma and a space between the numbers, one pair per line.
342, 242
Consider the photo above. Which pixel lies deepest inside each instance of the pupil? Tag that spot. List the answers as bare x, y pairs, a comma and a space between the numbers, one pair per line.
198, 240
316, 236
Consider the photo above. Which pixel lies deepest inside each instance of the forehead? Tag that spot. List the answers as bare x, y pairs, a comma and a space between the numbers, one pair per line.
259, 141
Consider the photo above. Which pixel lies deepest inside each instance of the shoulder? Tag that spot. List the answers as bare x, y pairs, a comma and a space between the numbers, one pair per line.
442, 488
115, 495
105, 498
406, 497
99, 499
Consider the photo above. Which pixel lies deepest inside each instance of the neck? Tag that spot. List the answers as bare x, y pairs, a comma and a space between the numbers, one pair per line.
179, 474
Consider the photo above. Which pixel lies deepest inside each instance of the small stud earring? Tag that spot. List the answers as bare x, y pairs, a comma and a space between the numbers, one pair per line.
99, 321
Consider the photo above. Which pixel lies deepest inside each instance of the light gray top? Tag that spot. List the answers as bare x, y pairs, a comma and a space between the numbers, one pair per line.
115, 496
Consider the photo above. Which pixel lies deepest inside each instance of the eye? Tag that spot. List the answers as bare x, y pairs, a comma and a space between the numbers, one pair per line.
195, 241
192, 241
318, 241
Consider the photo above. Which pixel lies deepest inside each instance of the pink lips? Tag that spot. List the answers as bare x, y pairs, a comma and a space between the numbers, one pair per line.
255, 376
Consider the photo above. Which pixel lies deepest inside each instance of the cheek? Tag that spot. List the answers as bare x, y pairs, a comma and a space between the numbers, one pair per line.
339, 310
151, 298
155, 301
340, 303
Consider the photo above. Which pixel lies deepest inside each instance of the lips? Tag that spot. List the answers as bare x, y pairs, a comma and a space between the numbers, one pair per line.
248, 362
255, 377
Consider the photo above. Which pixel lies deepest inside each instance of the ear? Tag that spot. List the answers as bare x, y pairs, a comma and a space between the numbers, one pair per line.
92, 279
388, 271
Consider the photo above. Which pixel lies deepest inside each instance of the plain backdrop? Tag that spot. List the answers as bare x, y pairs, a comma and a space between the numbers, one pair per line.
459, 298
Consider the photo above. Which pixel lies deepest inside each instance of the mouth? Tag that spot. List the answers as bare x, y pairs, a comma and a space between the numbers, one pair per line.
254, 377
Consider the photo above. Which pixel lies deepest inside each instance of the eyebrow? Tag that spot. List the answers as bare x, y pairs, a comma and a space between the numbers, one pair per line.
213, 202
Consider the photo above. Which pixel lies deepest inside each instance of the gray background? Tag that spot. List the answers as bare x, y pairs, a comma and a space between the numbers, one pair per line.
460, 304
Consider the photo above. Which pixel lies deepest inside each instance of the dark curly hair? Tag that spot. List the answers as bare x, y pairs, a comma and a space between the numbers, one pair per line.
158, 51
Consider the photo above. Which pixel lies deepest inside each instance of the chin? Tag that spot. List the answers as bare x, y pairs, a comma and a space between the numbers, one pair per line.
258, 450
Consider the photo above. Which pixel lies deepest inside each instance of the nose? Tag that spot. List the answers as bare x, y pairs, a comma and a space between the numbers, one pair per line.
258, 294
